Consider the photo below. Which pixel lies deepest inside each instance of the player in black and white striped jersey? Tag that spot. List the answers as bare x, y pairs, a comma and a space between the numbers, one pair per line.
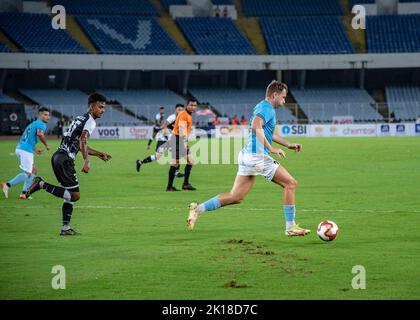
158, 125
74, 140
163, 136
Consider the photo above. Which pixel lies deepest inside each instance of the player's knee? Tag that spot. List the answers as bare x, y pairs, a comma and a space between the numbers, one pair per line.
75, 196
292, 184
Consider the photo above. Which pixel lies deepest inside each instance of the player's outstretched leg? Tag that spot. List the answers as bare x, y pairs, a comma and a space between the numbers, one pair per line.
69, 197
28, 182
148, 159
239, 190
5, 189
284, 179
16, 180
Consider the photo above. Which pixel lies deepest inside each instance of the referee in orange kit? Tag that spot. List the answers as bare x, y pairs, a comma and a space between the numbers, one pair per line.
179, 146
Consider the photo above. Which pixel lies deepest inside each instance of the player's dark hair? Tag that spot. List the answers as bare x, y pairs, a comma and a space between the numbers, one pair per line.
161, 108
43, 109
179, 105
191, 100
96, 97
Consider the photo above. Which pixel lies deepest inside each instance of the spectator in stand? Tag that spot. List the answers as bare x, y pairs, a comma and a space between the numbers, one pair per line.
216, 121
392, 118
217, 12
418, 119
243, 121
225, 12
60, 124
235, 120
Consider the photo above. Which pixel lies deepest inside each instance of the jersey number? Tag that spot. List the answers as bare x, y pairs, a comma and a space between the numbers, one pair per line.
73, 127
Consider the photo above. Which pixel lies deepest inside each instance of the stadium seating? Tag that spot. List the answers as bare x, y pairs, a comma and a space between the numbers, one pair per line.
258, 8
6, 99
4, 48
145, 103
232, 102
404, 101
399, 33
221, 2
92, 7
215, 36
168, 3
305, 35
322, 104
72, 103
42, 38
128, 35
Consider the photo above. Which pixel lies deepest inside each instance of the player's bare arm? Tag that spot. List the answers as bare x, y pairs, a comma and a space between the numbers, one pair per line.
43, 139
102, 155
85, 151
183, 132
257, 127
292, 146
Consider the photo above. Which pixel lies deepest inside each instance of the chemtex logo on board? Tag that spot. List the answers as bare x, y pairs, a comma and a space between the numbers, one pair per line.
359, 131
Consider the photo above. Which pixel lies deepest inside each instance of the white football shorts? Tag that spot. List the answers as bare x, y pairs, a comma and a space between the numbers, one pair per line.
253, 164
26, 160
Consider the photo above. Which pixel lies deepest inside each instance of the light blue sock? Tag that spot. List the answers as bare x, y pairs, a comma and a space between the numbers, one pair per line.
18, 179
289, 214
28, 182
209, 205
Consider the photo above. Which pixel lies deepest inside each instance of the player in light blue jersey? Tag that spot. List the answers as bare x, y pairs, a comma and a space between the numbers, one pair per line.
25, 152
254, 160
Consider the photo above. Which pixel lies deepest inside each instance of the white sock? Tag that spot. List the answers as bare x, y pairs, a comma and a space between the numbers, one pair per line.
41, 184
153, 157
65, 227
289, 224
200, 208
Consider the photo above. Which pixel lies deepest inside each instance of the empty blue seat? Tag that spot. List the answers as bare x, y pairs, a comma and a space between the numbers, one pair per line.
127, 7
258, 8
34, 33
305, 35
128, 35
399, 33
4, 48
215, 36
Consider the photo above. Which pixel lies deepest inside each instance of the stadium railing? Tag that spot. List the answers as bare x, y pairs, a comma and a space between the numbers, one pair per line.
143, 115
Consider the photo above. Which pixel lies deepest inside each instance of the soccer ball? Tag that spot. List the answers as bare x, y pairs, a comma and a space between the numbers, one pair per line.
327, 230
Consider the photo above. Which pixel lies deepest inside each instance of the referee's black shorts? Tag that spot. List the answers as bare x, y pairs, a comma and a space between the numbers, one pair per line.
64, 171
178, 149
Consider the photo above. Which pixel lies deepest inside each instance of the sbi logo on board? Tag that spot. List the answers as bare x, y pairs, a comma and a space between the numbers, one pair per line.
294, 130
385, 128
400, 129
110, 133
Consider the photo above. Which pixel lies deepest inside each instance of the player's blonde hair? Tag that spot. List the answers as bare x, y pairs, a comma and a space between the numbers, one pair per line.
275, 86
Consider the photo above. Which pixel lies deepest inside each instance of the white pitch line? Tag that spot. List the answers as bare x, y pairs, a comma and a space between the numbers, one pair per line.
227, 208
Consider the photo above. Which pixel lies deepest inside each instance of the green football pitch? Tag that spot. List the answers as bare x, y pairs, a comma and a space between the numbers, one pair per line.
134, 244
